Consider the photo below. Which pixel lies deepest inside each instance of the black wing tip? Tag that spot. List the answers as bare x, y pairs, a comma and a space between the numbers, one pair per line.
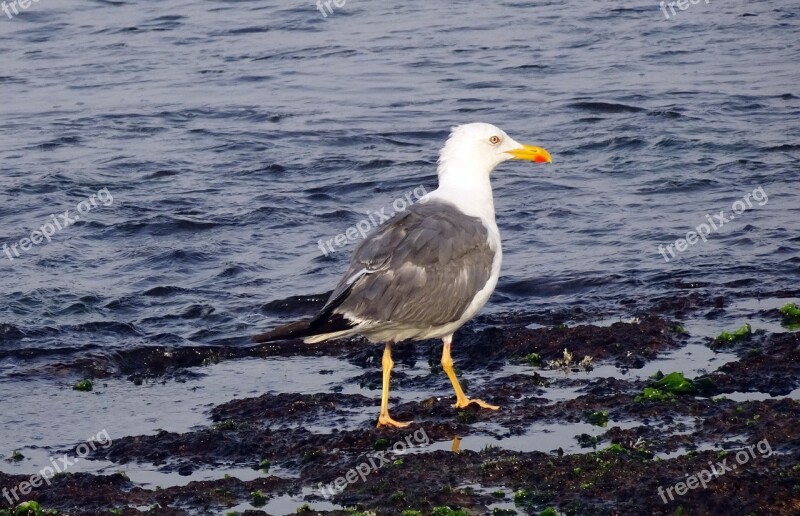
307, 328
285, 332
260, 339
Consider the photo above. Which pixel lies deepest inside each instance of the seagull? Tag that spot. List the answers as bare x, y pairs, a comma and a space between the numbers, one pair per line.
430, 268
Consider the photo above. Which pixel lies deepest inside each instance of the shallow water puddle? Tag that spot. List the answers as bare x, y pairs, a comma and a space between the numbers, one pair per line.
759, 396
124, 409
692, 359
504, 496
145, 475
546, 438
680, 452
289, 503
740, 312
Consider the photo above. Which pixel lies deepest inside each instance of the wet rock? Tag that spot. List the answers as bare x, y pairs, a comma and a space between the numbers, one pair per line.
629, 466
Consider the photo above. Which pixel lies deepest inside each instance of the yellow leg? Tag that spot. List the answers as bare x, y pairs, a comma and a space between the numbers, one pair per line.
461, 398
387, 364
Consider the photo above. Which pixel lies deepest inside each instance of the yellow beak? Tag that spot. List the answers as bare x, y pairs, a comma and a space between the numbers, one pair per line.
531, 153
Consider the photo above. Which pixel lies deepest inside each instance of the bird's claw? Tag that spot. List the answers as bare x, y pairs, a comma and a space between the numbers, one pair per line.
467, 401
385, 420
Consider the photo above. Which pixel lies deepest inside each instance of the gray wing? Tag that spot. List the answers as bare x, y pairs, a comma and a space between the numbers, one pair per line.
422, 268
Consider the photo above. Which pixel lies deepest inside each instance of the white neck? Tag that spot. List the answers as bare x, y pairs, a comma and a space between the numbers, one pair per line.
468, 187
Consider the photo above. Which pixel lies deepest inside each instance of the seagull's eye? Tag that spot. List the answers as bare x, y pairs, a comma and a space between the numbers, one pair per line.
494, 140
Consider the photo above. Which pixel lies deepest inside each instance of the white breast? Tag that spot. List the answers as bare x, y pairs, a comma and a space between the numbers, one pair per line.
476, 202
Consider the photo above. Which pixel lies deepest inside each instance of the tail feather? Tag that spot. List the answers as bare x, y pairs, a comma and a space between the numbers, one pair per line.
321, 325
325, 325
287, 331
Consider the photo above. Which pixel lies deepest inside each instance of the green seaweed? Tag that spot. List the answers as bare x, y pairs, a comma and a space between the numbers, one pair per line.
651, 394
528, 499
587, 441
534, 359
666, 387
727, 337
28, 509
791, 312
259, 499
791, 316
596, 417
83, 386
637, 451
675, 383
447, 511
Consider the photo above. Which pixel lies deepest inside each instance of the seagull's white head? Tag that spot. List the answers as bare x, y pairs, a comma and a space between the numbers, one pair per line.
476, 149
